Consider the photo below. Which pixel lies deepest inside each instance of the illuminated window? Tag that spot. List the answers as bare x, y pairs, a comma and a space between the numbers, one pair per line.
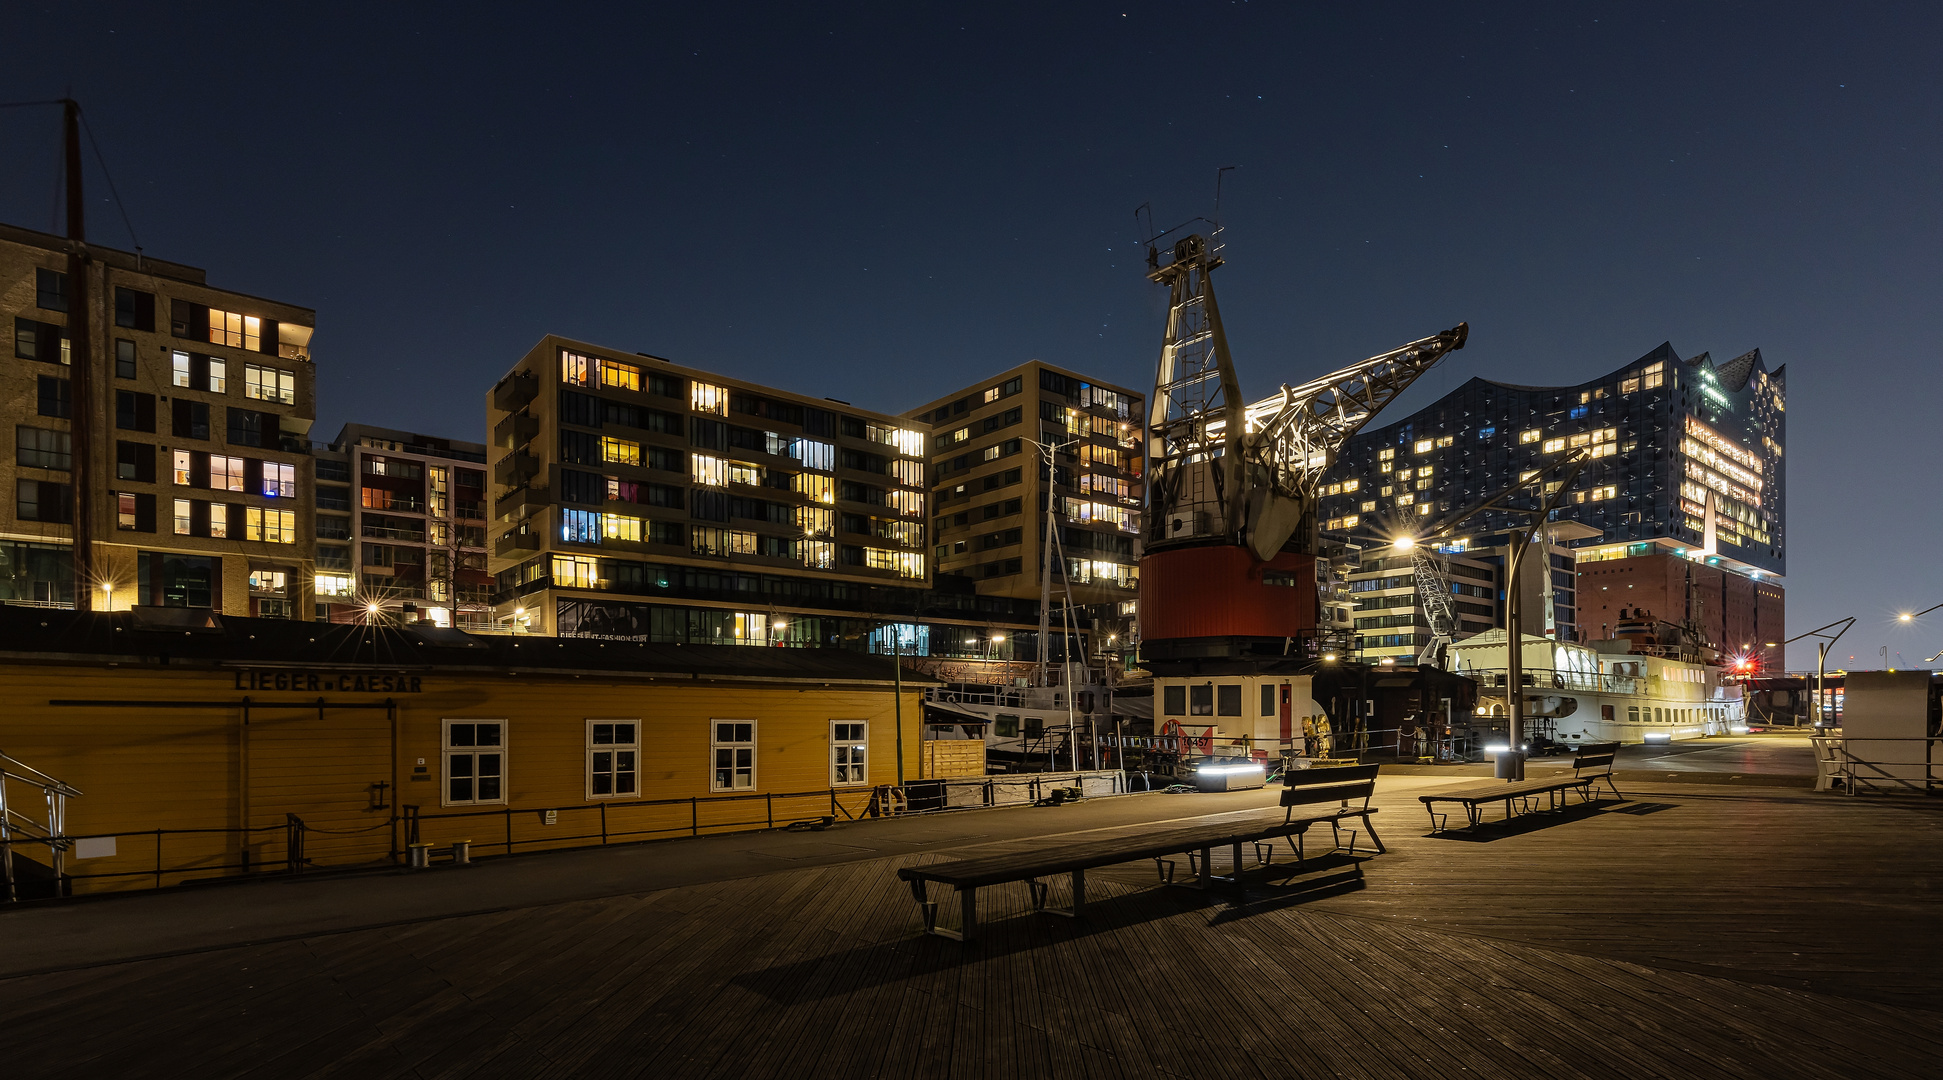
580, 526
181, 369
813, 454
991, 395
1350, 521
182, 517
620, 451
236, 331
703, 469
1531, 436
1386, 453
182, 473
1424, 509
267, 383
1386, 489
1406, 500
1426, 470
1629, 386
279, 480
620, 376
333, 584
621, 527
1424, 484
1334, 489
268, 526
990, 454
1351, 485
576, 572
906, 503
1424, 446
1445, 440
817, 554
225, 473
1368, 507
707, 398
819, 488
1388, 466
578, 370
1552, 446
1653, 374
219, 514
1405, 474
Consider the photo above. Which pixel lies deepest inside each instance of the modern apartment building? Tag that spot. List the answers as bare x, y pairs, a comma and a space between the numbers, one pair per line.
1687, 463
201, 404
401, 529
637, 500
990, 485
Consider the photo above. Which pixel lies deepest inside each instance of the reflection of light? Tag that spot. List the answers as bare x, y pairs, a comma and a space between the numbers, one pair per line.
998, 639
1224, 770
1389, 660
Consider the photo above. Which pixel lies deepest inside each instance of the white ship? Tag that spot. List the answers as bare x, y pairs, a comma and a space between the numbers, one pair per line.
1040, 728
1622, 690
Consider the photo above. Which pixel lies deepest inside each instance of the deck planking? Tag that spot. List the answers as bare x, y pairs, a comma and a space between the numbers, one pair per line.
1693, 941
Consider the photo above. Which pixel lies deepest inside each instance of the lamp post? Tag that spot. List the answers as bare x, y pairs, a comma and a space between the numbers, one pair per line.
108, 595
1821, 657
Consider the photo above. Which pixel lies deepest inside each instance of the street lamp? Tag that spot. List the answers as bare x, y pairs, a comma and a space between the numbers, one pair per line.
108, 587
1912, 616
1821, 658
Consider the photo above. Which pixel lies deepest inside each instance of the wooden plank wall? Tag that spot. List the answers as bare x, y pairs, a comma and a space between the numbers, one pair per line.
144, 768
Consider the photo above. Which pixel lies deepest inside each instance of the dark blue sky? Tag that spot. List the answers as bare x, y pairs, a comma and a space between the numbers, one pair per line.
883, 203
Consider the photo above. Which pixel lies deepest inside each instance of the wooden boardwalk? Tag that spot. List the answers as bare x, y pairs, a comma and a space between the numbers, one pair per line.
1702, 932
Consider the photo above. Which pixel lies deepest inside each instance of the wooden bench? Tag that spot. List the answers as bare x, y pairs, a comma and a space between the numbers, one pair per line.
1348, 788
1590, 764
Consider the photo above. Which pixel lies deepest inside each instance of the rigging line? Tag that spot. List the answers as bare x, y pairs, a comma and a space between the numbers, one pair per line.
110, 177
29, 104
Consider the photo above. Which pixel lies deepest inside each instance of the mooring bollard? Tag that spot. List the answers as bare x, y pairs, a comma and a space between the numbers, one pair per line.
461, 852
418, 856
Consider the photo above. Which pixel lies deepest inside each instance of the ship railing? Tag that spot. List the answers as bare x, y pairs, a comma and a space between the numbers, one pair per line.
1552, 678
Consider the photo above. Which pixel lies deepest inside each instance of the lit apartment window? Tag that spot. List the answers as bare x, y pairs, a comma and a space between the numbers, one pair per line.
225, 473
621, 527
219, 520
1406, 500
182, 517
817, 554
578, 370
1350, 521
1424, 446
267, 383
619, 451
333, 584
267, 526
1405, 474
990, 454
906, 564
125, 511
580, 526
475, 761
279, 480
850, 750
712, 471
611, 753
707, 398
1424, 509
991, 395
1368, 506
620, 376
1386, 453
905, 503
1552, 446
576, 572
1424, 484
236, 331
1445, 440
1530, 436
813, 454
1653, 374
819, 488
742, 473
1351, 485
734, 750
179, 369
270, 581
815, 520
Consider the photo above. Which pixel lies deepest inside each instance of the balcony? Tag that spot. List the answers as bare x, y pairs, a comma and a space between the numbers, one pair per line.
516, 541
515, 391
379, 532
523, 503
515, 431
515, 469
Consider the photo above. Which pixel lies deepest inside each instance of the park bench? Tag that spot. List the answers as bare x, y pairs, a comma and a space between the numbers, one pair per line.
1309, 791
1591, 763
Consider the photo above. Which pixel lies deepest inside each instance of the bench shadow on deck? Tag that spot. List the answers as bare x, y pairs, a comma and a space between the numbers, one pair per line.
1020, 929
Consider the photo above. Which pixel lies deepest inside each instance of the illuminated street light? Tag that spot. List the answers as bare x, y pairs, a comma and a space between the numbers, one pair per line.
1329, 657
1404, 543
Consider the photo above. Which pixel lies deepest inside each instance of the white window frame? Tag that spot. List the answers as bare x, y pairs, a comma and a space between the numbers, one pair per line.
716, 745
632, 746
446, 750
839, 748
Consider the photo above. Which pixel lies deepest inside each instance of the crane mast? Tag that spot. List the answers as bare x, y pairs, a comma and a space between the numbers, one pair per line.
1231, 521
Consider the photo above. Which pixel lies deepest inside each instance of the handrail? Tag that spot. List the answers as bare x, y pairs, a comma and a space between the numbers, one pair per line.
64, 788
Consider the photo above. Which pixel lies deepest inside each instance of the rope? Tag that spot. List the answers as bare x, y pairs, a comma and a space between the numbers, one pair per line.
110, 177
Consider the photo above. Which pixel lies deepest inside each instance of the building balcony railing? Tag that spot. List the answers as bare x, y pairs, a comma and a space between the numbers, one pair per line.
515, 391
379, 532
517, 540
339, 501
515, 469
516, 430
523, 503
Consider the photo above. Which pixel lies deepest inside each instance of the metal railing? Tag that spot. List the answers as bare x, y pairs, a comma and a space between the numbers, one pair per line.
17, 827
1837, 764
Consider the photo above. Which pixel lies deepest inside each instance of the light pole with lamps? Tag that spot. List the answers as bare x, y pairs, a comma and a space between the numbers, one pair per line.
1821, 658
108, 591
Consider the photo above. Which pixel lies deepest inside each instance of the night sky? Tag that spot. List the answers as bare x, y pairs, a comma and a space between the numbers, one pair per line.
884, 203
